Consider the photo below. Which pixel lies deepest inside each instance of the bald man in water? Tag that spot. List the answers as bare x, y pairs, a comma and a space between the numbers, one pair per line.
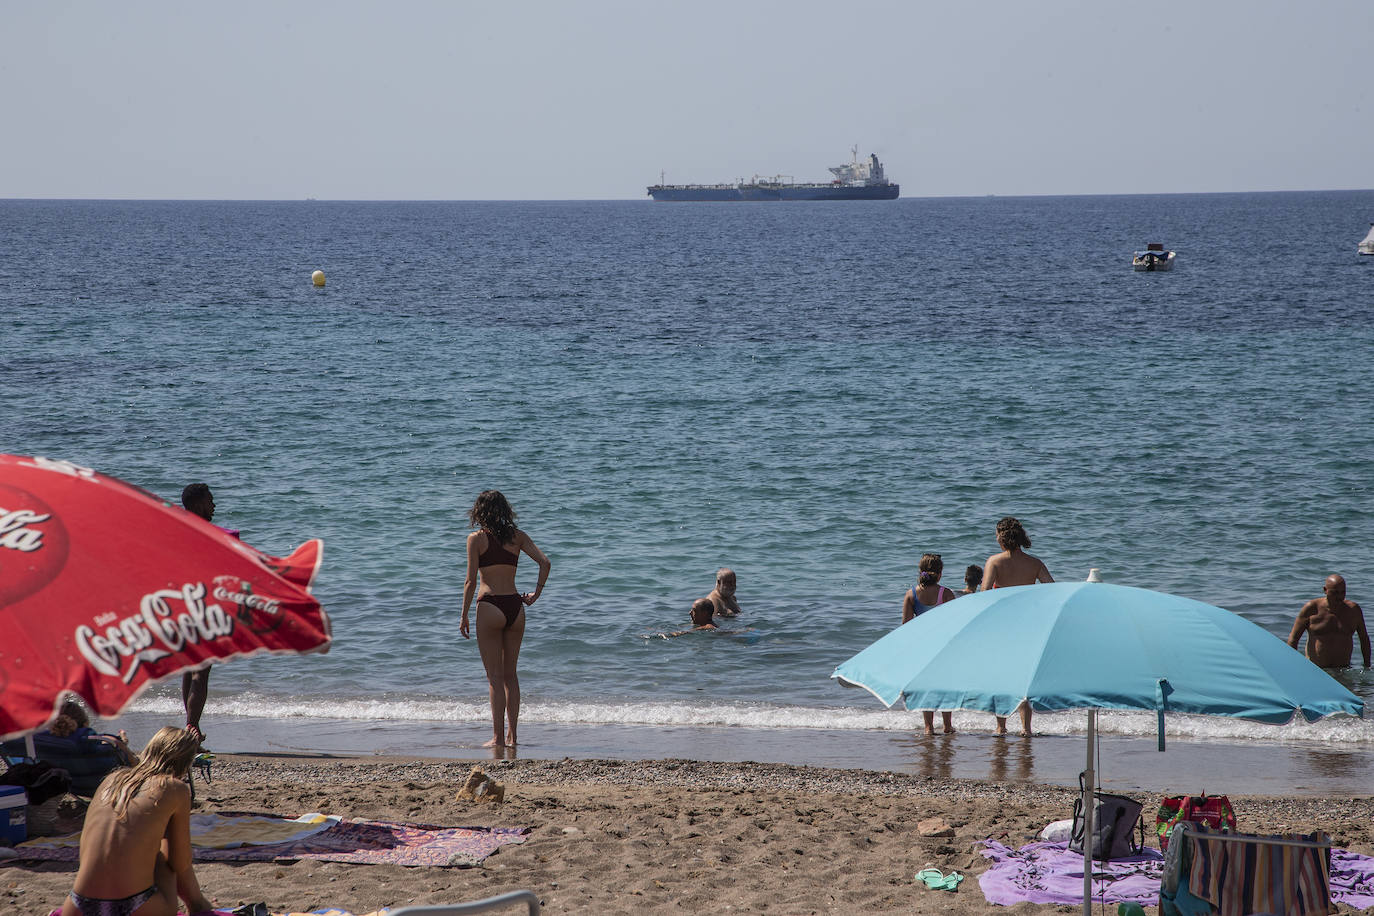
1330, 623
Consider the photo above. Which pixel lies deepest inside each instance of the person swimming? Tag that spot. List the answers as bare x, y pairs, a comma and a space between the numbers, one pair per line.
703, 618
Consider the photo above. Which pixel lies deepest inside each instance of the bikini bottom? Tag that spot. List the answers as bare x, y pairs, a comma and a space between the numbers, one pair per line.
94, 906
509, 605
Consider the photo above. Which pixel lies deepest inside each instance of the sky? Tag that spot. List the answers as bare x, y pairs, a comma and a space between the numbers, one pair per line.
595, 99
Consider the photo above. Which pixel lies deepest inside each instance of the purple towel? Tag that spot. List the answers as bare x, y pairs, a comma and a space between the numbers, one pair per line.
1049, 873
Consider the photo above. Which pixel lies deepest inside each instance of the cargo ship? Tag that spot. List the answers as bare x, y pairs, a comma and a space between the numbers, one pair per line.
856, 180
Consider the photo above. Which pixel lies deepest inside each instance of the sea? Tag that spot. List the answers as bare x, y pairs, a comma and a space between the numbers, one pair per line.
810, 393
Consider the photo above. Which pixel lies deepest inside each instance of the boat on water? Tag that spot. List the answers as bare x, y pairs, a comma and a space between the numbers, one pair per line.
855, 180
1154, 257
1366, 246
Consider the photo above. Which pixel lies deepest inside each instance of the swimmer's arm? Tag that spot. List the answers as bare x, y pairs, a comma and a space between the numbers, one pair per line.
178, 838
1300, 625
1044, 574
908, 609
469, 582
990, 570
538, 556
1363, 634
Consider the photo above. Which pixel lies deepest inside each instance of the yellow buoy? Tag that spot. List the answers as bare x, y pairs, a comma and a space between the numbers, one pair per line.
317, 278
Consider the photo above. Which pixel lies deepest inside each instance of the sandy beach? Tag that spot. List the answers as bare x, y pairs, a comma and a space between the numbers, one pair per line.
654, 836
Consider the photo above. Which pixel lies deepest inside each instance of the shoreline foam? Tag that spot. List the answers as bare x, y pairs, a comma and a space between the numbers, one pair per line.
1125, 763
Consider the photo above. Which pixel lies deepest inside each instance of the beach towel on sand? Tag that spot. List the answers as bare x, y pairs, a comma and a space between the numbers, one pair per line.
355, 840
1049, 873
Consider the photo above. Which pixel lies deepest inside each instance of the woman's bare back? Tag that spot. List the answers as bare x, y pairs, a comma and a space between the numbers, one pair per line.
1014, 567
119, 854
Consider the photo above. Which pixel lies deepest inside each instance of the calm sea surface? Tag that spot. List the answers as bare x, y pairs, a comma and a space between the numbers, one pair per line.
811, 393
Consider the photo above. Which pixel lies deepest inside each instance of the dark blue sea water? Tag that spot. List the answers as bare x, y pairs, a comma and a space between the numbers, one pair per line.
811, 393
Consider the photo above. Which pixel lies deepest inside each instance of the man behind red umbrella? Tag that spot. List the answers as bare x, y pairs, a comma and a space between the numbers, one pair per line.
195, 685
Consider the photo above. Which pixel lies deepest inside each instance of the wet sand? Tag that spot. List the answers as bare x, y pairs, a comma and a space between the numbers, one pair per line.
615, 836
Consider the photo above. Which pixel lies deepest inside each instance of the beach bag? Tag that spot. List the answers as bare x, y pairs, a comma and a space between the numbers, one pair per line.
1213, 810
1116, 821
41, 780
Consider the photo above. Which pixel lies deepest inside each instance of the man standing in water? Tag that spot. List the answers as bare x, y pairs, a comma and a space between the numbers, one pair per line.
195, 685
1331, 623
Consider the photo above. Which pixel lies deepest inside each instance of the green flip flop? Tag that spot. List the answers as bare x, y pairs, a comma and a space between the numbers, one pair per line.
951, 882
932, 878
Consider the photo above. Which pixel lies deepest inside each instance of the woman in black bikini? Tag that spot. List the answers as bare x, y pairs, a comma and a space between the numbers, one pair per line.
493, 551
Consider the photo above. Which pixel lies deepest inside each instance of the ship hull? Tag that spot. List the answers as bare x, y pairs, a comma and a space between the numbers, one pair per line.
776, 192
820, 192
669, 192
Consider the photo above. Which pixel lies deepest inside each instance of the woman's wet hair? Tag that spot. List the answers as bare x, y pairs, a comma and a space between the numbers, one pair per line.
973, 577
169, 753
493, 514
1010, 534
931, 567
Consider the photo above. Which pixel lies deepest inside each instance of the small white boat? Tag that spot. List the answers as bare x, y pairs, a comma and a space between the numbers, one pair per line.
1154, 257
1367, 246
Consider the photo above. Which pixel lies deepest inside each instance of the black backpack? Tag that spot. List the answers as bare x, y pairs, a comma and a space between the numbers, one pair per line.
41, 780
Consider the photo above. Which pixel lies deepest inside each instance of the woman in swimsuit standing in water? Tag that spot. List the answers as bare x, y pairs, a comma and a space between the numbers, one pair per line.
1012, 567
926, 594
136, 841
493, 550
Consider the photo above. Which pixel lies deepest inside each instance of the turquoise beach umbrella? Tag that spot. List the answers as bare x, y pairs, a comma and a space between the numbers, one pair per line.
1089, 645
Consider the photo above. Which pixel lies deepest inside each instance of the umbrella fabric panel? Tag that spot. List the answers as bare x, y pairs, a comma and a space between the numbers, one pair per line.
104, 589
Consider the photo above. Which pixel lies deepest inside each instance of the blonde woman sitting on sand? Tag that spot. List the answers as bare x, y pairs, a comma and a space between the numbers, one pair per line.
136, 842
926, 594
1013, 566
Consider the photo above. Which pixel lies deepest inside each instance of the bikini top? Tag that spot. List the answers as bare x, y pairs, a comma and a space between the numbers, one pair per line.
496, 554
942, 595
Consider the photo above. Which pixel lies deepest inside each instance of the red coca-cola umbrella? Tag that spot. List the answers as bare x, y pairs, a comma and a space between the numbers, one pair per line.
106, 589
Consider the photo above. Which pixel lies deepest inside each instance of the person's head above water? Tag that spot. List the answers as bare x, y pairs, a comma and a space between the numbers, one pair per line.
198, 500
1334, 588
725, 581
491, 512
931, 568
702, 611
1010, 534
973, 577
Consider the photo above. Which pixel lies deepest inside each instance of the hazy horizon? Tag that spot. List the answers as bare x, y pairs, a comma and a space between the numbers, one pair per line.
546, 101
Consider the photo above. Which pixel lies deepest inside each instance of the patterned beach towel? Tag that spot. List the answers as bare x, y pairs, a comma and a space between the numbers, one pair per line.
226, 831
353, 840
1049, 873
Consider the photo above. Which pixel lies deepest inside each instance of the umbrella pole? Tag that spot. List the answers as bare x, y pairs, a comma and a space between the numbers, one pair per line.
1089, 791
